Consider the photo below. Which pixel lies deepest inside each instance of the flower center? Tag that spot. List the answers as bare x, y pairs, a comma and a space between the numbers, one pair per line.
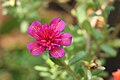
50, 39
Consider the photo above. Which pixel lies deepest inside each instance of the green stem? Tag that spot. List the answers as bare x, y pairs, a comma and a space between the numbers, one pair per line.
69, 71
61, 63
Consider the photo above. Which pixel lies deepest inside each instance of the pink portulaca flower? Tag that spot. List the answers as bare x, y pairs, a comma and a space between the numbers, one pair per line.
50, 37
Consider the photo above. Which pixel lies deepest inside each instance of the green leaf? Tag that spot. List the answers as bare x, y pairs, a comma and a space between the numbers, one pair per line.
24, 26
95, 1
41, 68
89, 75
80, 69
97, 34
107, 10
87, 26
108, 50
93, 14
44, 74
96, 72
77, 57
81, 13
96, 78
56, 61
115, 43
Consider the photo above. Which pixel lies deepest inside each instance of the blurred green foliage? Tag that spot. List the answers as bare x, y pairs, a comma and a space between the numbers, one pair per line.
86, 55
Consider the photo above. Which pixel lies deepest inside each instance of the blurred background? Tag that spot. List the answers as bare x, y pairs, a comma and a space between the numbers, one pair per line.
102, 38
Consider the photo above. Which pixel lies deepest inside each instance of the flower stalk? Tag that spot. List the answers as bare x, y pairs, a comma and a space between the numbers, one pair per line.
66, 67
69, 71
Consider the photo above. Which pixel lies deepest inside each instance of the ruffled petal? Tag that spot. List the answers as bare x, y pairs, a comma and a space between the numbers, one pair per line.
57, 52
66, 39
35, 48
42, 33
58, 23
34, 28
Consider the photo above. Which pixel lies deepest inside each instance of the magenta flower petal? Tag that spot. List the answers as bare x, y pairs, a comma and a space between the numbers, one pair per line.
57, 52
34, 28
58, 23
66, 39
35, 48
